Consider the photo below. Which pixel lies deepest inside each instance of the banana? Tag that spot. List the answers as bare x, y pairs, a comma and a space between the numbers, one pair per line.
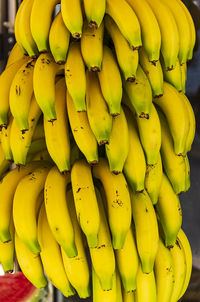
102, 256
150, 31
75, 76
82, 132
95, 11
118, 202
188, 257
146, 287
128, 296
21, 91
86, 204
92, 46
169, 210
140, 94
135, 164
174, 108
153, 72
76, 268
173, 77
20, 142
119, 287
30, 264
25, 210
51, 256
187, 172
4, 163
38, 131
5, 139
7, 250
37, 146
59, 37
40, 22
173, 164
41, 155
14, 55
179, 259
146, 228
183, 76
183, 29
72, 17
110, 82
6, 79
164, 273
126, 57
57, 133
100, 120
127, 262
126, 20
44, 84
16, 29
57, 210
117, 153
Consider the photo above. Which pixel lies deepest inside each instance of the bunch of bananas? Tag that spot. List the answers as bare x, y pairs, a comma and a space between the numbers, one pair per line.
98, 90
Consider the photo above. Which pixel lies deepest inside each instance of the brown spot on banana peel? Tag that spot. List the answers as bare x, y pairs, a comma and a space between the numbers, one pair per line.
95, 69
93, 162
77, 35
130, 79
18, 90
93, 24
136, 48
103, 142
60, 62
154, 62
158, 96
144, 115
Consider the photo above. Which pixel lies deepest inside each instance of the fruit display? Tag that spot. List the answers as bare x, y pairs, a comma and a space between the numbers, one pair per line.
94, 141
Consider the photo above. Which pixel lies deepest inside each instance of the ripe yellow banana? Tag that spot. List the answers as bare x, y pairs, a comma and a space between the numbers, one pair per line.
92, 46
30, 264
82, 132
153, 72
40, 22
76, 268
140, 94
117, 152
164, 273
169, 210
119, 287
5, 139
146, 228
97, 111
17, 31
184, 76
4, 163
187, 173
118, 202
7, 250
126, 20
51, 256
128, 296
135, 164
173, 77
44, 84
126, 57
15, 55
110, 81
75, 76
57, 133
174, 108
59, 39
38, 131
72, 17
95, 11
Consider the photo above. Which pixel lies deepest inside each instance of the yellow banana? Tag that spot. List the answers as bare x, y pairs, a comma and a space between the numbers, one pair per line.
97, 111
59, 39
173, 77
76, 268
15, 55
110, 82
92, 46
146, 228
95, 11
82, 132
126, 20
119, 287
118, 202
164, 273
38, 131
146, 287
57, 133
16, 29
126, 57
183, 76
153, 72
135, 164
75, 76
40, 22
72, 17
57, 211
25, 209
4, 163
128, 296
174, 108
7, 250
5, 139
51, 256
169, 210
44, 85
187, 173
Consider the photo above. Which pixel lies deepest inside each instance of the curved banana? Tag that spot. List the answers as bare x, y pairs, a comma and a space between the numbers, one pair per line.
38, 131
118, 202
59, 37
5, 139
51, 256
95, 11
153, 72
119, 287
57, 133
126, 20
4, 163
128, 296
77, 268
187, 173
117, 152
173, 77
146, 286
7, 250
40, 22
110, 82
16, 29
126, 57
184, 76
14, 55
75, 76
82, 132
